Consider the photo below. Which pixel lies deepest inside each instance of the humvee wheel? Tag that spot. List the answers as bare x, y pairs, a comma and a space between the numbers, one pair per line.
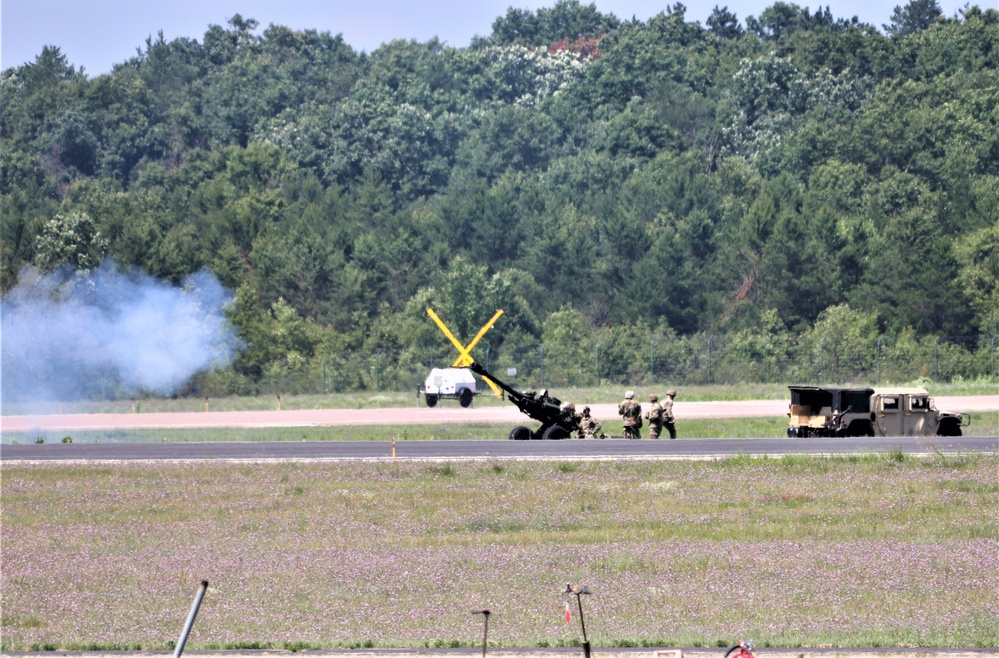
520, 433
465, 397
555, 433
431, 400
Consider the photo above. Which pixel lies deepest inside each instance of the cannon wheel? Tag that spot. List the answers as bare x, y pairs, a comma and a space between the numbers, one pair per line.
431, 400
555, 433
465, 397
520, 433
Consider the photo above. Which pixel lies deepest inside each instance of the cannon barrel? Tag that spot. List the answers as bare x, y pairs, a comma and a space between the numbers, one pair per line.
541, 407
482, 372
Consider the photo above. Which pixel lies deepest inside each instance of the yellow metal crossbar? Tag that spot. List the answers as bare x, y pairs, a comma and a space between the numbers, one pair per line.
464, 351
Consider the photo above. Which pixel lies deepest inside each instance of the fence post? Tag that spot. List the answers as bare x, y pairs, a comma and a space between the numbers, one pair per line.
765, 359
709, 357
378, 356
821, 369
879, 360
596, 358
542, 367
936, 363
652, 359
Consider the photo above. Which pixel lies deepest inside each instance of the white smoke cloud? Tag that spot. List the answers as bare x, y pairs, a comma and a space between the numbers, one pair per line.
72, 336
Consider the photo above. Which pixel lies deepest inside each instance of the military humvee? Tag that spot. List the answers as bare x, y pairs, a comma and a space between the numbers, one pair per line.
820, 411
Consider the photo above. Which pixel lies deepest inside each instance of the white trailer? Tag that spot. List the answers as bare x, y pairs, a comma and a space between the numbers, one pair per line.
449, 383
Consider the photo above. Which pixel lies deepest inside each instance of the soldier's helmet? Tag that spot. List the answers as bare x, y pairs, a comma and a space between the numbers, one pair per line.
629, 395
654, 398
671, 393
570, 406
586, 411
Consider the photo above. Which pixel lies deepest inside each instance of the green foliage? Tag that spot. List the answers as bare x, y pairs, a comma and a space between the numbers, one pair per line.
567, 19
70, 240
602, 181
915, 16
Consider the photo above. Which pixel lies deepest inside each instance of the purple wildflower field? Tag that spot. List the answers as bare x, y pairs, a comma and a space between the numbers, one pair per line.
800, 552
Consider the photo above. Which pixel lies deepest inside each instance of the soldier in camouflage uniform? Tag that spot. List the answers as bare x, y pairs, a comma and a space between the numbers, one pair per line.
668, 414
631, 412
589, 427
570, 417
655, 417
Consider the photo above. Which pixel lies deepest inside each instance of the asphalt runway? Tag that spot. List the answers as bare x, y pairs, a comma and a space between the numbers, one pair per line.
491, 449
457, 449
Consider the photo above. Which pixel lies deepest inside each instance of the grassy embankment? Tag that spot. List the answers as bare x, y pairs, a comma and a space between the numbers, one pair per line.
883, 550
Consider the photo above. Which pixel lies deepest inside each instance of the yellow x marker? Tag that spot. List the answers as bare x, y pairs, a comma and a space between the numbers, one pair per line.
464, 351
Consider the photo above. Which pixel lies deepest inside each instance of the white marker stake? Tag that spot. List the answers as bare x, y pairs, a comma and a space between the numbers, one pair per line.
190, 619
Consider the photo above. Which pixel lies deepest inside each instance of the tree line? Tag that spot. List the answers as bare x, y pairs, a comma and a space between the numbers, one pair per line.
629, 176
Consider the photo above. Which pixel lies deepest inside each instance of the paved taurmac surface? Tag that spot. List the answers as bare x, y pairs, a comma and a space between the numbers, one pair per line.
261, 451
454, 449
450, 413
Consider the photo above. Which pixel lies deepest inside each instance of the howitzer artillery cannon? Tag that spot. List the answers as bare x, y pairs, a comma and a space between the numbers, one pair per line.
557, 422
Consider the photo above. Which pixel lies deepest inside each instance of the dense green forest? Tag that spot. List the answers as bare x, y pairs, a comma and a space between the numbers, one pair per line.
611, 184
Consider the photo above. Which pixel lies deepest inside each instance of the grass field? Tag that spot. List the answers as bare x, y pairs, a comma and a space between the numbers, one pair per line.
689, 429
985, 424
886, 550
378, 399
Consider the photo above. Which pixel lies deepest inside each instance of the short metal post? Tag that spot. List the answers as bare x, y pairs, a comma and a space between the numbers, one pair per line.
596, 358
879, 360
821, 370
993, 359
542, 367
190, 619
936, 363
709, 357
765, 359
652, 359
579, 591
485, 629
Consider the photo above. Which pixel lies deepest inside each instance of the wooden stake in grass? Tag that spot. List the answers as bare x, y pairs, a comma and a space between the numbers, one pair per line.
485, 624
393, 455
579, 591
